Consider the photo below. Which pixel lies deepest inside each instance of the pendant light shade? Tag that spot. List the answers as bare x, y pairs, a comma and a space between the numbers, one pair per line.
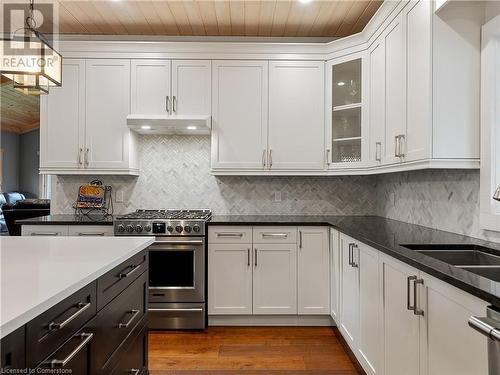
496, 196
30, 61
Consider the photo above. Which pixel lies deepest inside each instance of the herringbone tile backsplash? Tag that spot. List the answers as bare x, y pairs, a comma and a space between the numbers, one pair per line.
175, 173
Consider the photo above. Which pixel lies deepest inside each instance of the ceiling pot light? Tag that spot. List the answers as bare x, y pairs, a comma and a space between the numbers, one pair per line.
145, 127
340, 83
29, 60
305, 1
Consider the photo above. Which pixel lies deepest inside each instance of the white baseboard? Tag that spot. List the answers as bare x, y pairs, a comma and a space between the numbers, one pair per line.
271, 320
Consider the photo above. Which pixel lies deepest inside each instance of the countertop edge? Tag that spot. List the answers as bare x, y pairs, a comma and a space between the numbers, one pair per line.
13, 324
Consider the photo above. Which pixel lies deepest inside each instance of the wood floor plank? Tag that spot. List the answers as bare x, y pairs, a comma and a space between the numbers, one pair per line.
250, 350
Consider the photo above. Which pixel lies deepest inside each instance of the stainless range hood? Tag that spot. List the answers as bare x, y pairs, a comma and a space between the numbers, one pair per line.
166, 124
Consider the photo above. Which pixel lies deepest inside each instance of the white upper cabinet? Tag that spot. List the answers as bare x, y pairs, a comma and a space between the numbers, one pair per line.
395, 103
89, 113
296, 115
150, 87
107, 142
417, 143
313, 271
62, 117
346, 109
490, 126
191, 87
377, 101
170, 87
239, 114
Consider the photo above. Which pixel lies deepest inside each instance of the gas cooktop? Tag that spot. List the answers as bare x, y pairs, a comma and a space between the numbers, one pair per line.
162, 223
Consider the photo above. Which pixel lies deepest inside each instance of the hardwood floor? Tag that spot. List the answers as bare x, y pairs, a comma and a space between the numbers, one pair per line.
250, 350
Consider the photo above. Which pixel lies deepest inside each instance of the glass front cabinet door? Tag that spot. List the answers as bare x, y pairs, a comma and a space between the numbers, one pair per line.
346, 140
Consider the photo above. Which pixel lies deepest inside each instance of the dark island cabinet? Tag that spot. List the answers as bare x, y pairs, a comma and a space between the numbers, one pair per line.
99, 330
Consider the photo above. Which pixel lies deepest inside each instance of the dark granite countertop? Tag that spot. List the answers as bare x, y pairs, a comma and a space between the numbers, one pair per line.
387, 235
68, 220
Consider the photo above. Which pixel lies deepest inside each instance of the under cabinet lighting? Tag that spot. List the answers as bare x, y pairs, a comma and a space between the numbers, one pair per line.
304, 1
340, 83
145, 127
191, 128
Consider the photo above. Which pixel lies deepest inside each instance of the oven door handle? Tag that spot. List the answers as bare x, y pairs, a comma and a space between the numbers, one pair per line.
179, 242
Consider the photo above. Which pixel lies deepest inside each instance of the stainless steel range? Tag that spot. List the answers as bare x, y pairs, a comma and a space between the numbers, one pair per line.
176, 264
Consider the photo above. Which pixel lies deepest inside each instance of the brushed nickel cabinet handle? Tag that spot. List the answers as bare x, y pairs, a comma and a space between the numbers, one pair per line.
85, 337
230, 235
378, 151
396, 146
81, 308
248, 257
401, 145
123, 275
328, 156
274, 235
270, 158
354, 264
263, 158
80, 156
300, 239
416, 310
408, 282
44, 234
86, 159
97, 234
167, 104
350, 254
134, 313
255, 255
174, 104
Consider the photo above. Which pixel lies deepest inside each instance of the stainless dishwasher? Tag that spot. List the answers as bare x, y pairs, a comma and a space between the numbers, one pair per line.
490, 327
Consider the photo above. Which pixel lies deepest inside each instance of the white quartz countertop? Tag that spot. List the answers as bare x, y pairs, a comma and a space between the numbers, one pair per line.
37, 273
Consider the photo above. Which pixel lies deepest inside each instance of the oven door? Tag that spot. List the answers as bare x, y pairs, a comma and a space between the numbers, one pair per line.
177, 270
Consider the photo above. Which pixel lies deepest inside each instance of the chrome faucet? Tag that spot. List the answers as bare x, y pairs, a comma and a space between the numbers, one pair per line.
496, 196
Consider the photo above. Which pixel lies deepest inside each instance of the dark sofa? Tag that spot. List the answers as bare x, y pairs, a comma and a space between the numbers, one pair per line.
19, 205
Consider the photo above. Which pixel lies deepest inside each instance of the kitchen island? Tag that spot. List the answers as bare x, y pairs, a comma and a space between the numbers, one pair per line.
74, 303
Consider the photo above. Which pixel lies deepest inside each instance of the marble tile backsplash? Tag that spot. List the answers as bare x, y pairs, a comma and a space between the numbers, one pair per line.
175, 173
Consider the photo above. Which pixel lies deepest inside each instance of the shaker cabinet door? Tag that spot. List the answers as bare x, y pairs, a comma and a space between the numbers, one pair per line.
150, 87
107, 106
62, 120
191, 85
296, 115
239, 114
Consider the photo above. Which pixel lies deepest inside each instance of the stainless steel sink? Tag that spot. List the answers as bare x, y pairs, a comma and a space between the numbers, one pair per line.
476, 259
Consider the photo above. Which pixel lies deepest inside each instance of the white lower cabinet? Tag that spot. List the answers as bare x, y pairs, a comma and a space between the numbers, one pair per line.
452, 346
369, 308
313, 271
275, 279
44, 230
349, 293
401, 326
334, 275
68, 230
230, 279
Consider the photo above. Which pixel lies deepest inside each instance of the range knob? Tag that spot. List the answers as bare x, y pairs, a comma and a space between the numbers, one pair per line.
138, 228
121, 228
129, 228
170, 228
179, 228
187, 228
196, 228
147, 228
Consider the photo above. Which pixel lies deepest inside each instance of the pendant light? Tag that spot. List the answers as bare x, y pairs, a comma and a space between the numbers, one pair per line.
30, 61
496, 196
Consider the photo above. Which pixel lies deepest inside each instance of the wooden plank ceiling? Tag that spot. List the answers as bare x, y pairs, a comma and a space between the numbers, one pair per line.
19, 113
266, 18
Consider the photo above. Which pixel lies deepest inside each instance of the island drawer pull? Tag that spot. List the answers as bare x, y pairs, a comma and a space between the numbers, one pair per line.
91, 234
123, 275
44, 234
63, 362
134, 313
408, 282
184, 309
81, 308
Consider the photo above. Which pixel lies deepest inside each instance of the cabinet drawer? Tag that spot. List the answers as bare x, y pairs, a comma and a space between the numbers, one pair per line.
13, 351
44, 230
91, 230
48, 331
116, 321
116, 280
283, 234
229, 234
134, 361
73, 357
